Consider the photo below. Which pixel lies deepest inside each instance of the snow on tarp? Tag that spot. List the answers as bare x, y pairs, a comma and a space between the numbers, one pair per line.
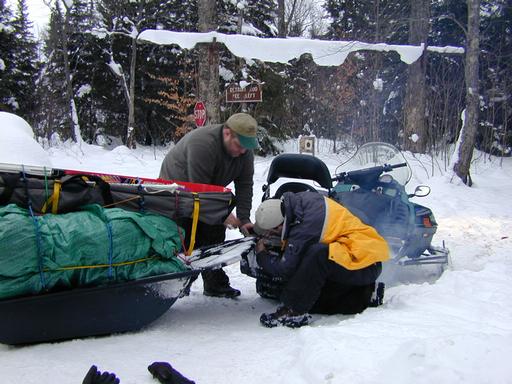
281, 50
17, 143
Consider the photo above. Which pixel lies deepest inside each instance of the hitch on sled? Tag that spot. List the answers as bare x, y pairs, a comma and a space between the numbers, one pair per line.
432, 255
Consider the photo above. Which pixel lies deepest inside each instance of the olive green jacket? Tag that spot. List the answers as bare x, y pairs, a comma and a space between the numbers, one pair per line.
200, 157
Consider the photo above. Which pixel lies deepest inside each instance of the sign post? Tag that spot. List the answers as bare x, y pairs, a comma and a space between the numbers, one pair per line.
307, 144
249, 94
200, 114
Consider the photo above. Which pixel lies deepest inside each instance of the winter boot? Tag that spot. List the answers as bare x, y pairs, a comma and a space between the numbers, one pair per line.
94, 376
166, 374
285, 316
216, 284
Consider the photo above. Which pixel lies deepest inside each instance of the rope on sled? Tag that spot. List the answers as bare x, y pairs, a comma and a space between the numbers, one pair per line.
47, 193
37, 232
110, 265
53, 199
120, 202
110, 248
195, 219
180, 230
140, 190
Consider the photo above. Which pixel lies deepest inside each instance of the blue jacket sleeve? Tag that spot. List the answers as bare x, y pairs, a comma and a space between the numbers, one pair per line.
275, 265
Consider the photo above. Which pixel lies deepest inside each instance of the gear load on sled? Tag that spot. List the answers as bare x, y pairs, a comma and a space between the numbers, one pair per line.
373, 189
87, 254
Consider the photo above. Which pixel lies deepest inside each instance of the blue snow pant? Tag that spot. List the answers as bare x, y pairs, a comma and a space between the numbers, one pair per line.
319, 285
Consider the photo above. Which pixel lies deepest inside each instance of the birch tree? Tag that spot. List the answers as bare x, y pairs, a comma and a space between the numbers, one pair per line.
415, 138
469, 128
68, 80
125, 19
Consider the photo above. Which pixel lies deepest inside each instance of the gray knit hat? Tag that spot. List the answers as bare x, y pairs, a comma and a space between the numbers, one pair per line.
268, 215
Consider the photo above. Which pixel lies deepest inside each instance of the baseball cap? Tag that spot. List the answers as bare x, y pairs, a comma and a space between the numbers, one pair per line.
245, 127
268, 215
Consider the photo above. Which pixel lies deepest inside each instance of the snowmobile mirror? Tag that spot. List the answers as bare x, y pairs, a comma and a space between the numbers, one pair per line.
420, 191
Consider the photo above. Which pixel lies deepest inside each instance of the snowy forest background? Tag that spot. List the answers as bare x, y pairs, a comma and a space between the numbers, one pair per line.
89, 70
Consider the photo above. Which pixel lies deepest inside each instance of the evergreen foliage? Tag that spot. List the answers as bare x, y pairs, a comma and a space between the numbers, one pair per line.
361, 100
7, 60
495, 134
19, 65
383, 21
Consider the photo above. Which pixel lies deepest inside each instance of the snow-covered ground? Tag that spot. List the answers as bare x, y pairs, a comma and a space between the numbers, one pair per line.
456, 330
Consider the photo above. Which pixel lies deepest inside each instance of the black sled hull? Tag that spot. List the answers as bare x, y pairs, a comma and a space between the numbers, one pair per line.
95, 311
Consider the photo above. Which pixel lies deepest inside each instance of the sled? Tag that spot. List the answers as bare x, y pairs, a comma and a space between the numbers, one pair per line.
109, 308
94, 308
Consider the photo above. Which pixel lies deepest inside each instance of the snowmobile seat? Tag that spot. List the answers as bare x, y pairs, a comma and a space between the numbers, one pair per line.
299, 166
293, 187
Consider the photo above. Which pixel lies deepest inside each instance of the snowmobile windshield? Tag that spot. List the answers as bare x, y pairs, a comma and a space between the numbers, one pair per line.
377, 154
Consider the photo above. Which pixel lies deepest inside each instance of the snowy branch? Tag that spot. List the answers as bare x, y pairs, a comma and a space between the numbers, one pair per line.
280, 50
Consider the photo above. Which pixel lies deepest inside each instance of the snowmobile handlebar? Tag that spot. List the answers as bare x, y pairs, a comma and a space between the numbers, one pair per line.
366, 175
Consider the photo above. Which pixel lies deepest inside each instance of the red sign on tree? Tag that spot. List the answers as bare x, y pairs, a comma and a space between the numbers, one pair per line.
200, 114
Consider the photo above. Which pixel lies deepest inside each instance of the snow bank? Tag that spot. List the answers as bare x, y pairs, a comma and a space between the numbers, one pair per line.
17, 143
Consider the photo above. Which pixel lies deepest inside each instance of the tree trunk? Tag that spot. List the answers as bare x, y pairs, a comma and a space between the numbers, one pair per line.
469, 129
415, 137
130, 134
208, 83
76, 135
281, 25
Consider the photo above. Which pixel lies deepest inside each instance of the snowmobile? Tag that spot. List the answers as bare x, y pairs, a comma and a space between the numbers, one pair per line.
71, 263
371, 184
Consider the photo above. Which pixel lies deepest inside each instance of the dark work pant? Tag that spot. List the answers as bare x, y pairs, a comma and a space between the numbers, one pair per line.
206, 235
323, 286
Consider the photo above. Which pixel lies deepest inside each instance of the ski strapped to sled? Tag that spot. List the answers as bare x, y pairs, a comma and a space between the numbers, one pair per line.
60, 191
109, 178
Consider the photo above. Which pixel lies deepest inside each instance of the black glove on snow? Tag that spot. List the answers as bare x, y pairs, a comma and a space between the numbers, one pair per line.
94, 376
166, 374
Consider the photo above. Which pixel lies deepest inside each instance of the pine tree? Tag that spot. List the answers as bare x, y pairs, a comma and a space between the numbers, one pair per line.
52, 107
163, 83
380, 76
445, 74
7, 60
383, 21
495, 133
262, 15
123, 21
91, 86
18, 61
25, 56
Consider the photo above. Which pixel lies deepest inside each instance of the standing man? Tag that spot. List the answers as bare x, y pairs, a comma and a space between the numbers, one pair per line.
217, 154
330, 259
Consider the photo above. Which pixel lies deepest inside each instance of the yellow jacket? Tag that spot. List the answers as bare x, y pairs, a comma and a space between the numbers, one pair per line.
352, 244
314, 218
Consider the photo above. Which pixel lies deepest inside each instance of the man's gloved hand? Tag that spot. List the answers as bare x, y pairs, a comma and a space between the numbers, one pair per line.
247, 229
261, 246
232, 222
166, 374
94, 376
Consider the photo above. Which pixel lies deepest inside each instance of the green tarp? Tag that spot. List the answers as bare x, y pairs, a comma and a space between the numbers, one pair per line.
84, 248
